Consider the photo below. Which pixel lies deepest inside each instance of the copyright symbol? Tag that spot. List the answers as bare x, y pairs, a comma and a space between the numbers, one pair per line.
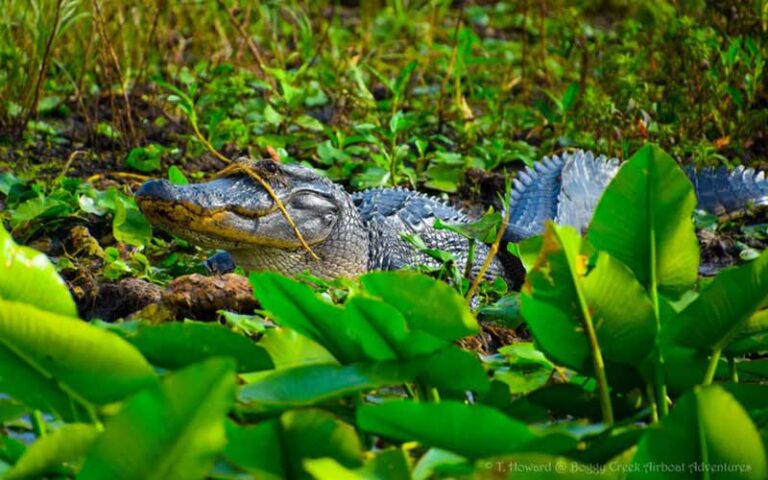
561, 467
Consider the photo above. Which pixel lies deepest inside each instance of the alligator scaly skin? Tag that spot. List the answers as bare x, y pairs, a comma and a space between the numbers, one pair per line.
567, 188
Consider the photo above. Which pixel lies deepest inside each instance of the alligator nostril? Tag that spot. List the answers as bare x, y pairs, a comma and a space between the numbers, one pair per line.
155, 190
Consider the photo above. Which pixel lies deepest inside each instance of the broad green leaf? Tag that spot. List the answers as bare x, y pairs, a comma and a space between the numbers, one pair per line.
558, 298
68, 444
452, 370
310, 384
390, 464
11, 409
176, 429
751, 396
621, 311
752, 337
278, 448
551, 300
176, 345
56, 363
295, 305
380, 329
707, 428
474, 431
683, 367
438, 461
567, 399
758, 368
556, 333
644, 221
11, 451
27, 276
257, 448
39, 207
383, 333
426, 303
608, 445
723, 307
290, 349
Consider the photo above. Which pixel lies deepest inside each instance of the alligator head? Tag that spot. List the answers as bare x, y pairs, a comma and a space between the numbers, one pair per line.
235, 213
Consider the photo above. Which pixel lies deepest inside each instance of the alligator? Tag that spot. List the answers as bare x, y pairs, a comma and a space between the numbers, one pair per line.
354, 233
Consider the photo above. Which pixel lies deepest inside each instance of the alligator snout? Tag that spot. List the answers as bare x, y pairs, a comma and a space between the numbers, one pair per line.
155, 190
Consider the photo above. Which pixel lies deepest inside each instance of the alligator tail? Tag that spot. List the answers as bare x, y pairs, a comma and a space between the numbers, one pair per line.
565, 188
722, 191
534, 198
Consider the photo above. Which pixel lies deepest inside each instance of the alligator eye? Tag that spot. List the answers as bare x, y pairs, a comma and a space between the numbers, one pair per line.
269, 166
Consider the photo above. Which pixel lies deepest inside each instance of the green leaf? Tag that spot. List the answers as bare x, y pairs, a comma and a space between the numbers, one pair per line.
61, 364
129, 224
707, 428
27, 276
278, 448
290, 349
621, 310
452, 370
474, 431
69, 443
317, 434
644, 221
145, 159
11, 451
176, 345
39, 207
758, 368
383, 333
176, 176
272, 116
256, 448
552, 301
11, 410
426, 303
311, 384
296, 306
570, 96
390, 464
722, 309
176, 429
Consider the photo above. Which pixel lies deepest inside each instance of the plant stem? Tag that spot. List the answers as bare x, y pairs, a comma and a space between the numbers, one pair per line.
660, 385
734, 370
712, 367
594, 346
38, 424
649, 392
492, 251
599, 364
410, 391
31, 108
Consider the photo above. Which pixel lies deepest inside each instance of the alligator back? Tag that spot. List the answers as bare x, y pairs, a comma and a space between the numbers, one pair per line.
388, 213
722, 191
